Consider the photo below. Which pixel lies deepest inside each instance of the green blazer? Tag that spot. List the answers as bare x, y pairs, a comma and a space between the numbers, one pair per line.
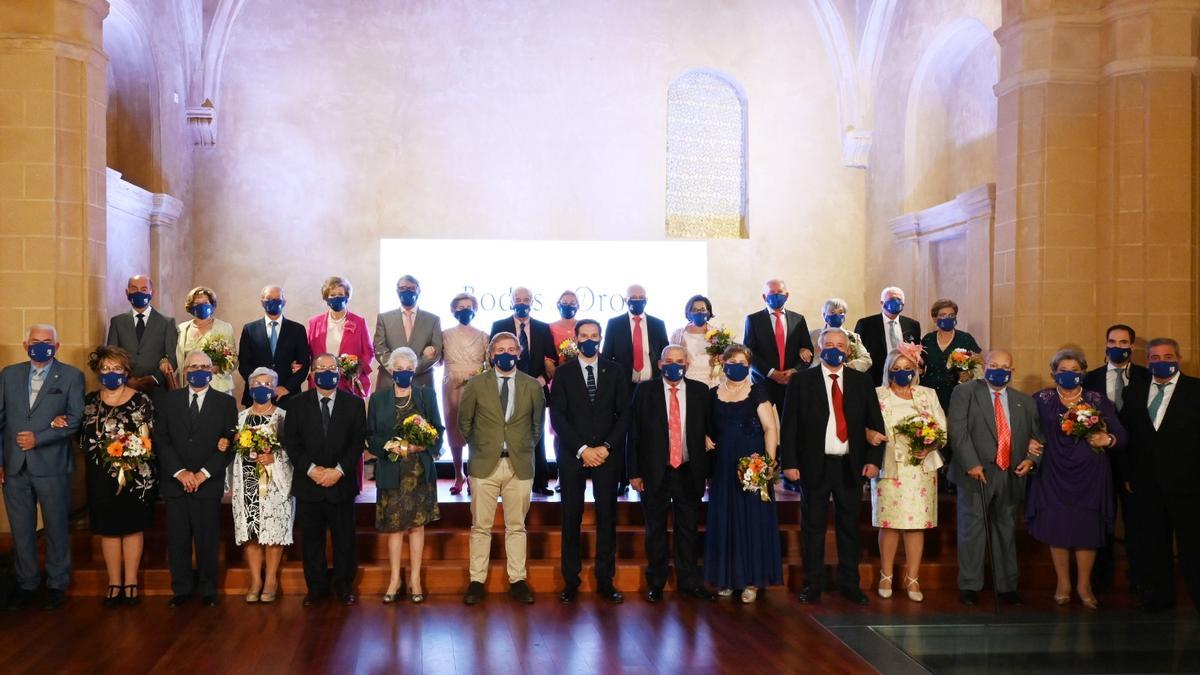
381, 428
482, 423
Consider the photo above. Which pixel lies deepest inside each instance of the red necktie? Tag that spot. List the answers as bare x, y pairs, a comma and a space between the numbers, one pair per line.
639, 358
676, 429
839, 415
1003, 435
779, 339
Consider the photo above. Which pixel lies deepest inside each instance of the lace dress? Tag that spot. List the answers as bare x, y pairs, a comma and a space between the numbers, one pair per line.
265, 515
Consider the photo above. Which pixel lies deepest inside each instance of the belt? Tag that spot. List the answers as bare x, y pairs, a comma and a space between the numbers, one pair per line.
503, 454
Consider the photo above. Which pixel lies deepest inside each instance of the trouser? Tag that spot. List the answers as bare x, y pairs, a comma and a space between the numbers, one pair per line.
573, 478
315, 518
1159, 517
1002, 492
22, 495
838, 483
541, 468
1106, 557
193, 520
502, 484
678, 494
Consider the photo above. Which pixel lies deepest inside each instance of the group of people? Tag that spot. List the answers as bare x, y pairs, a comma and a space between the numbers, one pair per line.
832, 409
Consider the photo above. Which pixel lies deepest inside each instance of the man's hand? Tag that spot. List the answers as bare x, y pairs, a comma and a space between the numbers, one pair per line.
1035, 448
709, 444
332, 476
165, 367
782, 376
280, 392
874, 438
188, 480
223, 445
541, 381
870, 470
1024, 467
977, 474
792, 474
964, 376
806, 355
593, 457
637, 484
26, 440
199, 477
429, 352
2, 476
1128, 485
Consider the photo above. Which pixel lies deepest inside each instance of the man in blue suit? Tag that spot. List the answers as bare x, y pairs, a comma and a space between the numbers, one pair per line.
38, 461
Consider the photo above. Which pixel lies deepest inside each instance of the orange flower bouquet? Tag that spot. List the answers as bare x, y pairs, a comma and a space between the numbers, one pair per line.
349, 368
1082, 420
413, 431
128, 452
756, 473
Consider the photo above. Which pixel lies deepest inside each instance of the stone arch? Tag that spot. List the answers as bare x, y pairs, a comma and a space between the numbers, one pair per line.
132, 114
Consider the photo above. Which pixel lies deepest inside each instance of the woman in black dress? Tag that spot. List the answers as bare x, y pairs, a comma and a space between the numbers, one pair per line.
119, 513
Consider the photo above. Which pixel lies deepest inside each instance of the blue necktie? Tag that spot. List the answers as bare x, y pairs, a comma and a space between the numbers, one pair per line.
274, 337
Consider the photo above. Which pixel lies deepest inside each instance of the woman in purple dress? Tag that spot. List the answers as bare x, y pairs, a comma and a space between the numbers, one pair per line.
1070, 501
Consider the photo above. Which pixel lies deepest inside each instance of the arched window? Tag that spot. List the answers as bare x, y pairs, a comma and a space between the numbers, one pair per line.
706, 157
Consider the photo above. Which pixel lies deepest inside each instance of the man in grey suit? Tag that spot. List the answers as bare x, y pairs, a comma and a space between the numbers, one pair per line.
148, 336
501, 417
997, 441
41, 408
410, 327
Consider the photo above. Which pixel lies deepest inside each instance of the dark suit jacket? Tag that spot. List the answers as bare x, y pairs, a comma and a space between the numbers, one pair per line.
308, 444
1164, 459
760, 339
541, 345
972, 428
180, 446
578, 422
61, 394
806, 413
870, 329
158, 342
254, 351
648, 453
618, 341
1097, 378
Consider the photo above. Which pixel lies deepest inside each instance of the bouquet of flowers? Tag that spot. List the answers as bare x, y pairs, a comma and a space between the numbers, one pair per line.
126, 451
718, 340
253, 441
1081, 420
349, 367
414, 430
925, 435
224, 359
567, 349
756, 473
964, 360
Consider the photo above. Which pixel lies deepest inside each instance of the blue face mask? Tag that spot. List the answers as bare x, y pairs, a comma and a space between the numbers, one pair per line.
903, 377
403, 378
893, 306
262, 394
504, 361
673, 371
567, 311
203, 311
337, 303
699, 319
327, 379
1068, 380
736, 372
776, 301
947, 323
199, 378
1118, 354
408, 297
636, 307
521, 310
835, 320
273, 307
1164, 369
41, 352
997, 377
113, 381
465, 315
589, 348
833, 356
139, 300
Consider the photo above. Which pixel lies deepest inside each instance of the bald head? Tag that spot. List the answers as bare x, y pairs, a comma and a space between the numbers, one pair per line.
522, 296
139, 283
635, 292
999, 358
774, 286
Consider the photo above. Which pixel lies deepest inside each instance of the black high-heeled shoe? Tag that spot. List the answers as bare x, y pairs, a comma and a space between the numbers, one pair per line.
130, 595
113, 598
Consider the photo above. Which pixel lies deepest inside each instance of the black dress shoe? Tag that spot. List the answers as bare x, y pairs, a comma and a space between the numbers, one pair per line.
809, 595
348, 599
519, 591
1011, 598
543, 491
611, 595
19, 600
54, 599
313, 598
178, 601
654, 595
568, 595
474, 593
968, 598
209, 600
1155, 605
855, 595
701, 593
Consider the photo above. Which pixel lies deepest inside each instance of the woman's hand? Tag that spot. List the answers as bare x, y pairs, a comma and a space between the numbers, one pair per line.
1099, 439
223, 445
924, 453
59, 422
415, 448
265, 458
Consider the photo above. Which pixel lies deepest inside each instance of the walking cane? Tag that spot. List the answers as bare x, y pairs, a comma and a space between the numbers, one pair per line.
987, 547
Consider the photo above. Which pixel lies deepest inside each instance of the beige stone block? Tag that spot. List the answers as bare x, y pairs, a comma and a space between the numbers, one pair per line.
1072, 131
1168, 156
68, 289
13, 257
1181, 263
68, 76
69, 183
68, 112
27, 289
1071, 99
1031, 132
1168, 227
1129, 37
12, 333
12, 181
39, 109
1031, 167
1084, 262
1130, 193
1131, 158
1131, 93
69, 147
39, 181
1004, 238
21, 144
27, 70
1131, 124
1129, 263
70, 215
1075, 196
70, 253
1072, 162
1169, 296
1169, 192
1027, 297
1029, 232
70, 324
26, 217
40, 253
12, 108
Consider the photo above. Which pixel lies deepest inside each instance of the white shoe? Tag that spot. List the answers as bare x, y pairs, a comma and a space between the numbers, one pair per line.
917, 595
725, 592
884, 592
749, 594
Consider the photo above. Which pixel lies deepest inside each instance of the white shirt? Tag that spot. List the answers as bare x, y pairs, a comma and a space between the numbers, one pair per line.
145, 312
334, 328
199, 404
1168, 391
1110, 379
645, 372
278, 325
332, 396
682, 390
834, 445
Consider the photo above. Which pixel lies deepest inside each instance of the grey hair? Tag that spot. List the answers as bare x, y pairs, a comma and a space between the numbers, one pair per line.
891, 289
1068, 354
410, 279
259, 372
189, 355
54, 331
326, 355
686, 356
828, 330
834, 303
1160, 341
891, 360
401, 353
268, 289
